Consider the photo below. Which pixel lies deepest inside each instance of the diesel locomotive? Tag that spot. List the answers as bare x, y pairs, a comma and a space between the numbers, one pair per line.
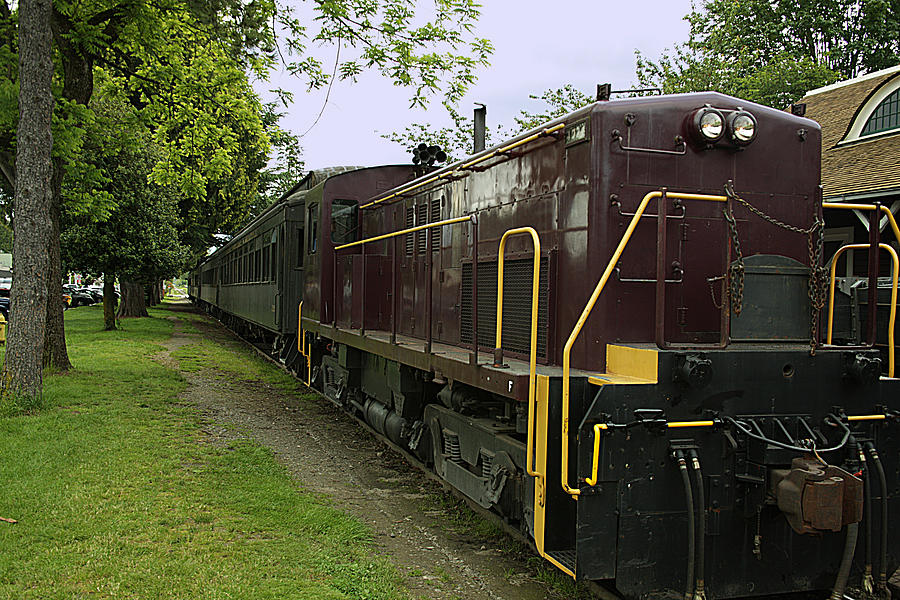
616, 332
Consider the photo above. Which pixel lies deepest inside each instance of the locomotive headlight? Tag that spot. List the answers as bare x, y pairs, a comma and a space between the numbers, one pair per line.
742, 126
710, 124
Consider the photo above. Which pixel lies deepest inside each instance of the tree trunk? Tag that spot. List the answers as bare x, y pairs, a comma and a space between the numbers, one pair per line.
132, 303
109, 301
78, 85
56, 355
22, 371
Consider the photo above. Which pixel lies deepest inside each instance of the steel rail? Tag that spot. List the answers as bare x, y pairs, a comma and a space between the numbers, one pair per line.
567, 350
498, 349
895, 271
451, 171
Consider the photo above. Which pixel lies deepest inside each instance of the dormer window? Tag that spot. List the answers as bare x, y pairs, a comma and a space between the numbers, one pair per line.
878, 116
886, 117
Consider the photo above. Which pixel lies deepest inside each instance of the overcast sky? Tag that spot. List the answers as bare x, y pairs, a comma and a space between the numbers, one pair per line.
538, 45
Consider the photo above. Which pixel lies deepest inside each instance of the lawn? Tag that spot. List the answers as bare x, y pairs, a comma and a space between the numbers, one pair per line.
118, 495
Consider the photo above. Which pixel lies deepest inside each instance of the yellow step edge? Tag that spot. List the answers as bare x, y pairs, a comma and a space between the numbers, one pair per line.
615, 379
626, 365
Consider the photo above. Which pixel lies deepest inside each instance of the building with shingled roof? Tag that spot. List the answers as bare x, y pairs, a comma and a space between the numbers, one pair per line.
860, 121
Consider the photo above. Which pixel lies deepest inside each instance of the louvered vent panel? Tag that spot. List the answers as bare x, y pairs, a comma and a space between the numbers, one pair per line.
421, 219
516, 305
435, 217
410, 216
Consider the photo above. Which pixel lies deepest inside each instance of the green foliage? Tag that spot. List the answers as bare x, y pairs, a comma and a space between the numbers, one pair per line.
773, 51
432, 53
558, 102
183, 69
456, 140
139, 238
6, 238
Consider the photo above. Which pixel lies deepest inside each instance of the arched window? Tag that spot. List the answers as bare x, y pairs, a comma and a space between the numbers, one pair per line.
886, 117
878, 115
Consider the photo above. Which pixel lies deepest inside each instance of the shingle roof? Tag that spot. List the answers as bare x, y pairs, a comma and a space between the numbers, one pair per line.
859, 167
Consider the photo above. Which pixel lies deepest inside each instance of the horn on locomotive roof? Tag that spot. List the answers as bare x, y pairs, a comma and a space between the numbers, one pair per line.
428, 155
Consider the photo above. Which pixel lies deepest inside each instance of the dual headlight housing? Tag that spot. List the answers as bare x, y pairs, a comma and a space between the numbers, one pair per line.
711, 125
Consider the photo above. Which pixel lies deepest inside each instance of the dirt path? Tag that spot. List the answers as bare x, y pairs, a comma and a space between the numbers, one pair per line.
416, 525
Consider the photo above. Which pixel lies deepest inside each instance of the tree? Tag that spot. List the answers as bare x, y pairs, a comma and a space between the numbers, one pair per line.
456, 141
773, 51
22, 373
174, 60
138, 240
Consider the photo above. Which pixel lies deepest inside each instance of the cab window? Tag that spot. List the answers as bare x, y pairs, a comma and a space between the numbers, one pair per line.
344, 221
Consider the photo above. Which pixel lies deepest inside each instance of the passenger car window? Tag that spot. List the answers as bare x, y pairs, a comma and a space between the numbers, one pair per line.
344, 221
313, 229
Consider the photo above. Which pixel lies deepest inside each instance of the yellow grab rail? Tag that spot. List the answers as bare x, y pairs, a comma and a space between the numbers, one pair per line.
867, 417
600, 427
595, 464
532, 360
567, 350
450, 172
893, 314
385, 236
884, 209
301, 345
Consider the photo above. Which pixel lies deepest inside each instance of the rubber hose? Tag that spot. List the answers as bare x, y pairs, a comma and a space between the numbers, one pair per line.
867, 496
882, 567
840, 583
700, 593
689, 499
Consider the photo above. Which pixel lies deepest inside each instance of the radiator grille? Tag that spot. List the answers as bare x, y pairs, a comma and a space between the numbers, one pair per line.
516, 305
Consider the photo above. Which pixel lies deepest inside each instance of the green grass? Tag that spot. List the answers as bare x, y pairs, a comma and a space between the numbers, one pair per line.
118, 496
230, 358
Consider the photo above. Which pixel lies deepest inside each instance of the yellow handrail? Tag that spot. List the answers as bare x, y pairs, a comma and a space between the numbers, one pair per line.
567, 350
600, 427
867, 418
301, 345
884, 209
532, 361
595, 464
453, 171
893, 314
403, 231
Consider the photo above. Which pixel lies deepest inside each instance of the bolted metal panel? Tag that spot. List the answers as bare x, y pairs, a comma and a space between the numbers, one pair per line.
516, 305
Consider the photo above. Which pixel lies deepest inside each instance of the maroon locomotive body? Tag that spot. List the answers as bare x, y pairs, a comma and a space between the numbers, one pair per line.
685, 429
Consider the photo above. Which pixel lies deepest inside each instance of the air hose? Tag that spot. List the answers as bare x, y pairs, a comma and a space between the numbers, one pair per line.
689, 499
700, 592
840, 583
868, 582
882, 566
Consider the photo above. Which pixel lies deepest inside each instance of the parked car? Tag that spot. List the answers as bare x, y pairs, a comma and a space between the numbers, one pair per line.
96, 293
4, 307
81, 297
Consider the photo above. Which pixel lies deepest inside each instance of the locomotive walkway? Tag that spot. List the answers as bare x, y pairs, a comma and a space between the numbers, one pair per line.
441, 549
